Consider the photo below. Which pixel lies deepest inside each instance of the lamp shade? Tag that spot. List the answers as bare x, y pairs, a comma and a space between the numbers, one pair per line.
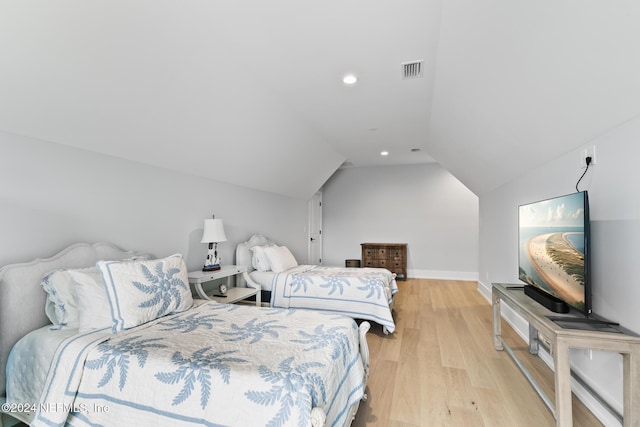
213, 231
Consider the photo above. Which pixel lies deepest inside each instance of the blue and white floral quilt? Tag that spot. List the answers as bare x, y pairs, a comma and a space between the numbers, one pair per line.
214, 365
361, 293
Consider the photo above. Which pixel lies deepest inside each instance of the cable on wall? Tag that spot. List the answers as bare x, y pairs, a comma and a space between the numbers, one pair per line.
587, 160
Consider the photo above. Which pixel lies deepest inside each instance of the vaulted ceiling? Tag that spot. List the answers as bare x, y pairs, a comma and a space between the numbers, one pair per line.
250, 92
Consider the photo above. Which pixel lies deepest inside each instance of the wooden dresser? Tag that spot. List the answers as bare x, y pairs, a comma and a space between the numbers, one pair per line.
392, 256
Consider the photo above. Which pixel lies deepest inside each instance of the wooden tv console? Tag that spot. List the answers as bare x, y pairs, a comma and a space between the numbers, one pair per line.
560, 340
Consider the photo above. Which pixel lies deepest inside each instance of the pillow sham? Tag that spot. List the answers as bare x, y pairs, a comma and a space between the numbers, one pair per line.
94, 310
259, 261
61, 303
280, 258
61, 306
141, 291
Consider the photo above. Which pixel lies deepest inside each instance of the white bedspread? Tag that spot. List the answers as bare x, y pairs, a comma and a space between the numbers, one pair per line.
361, 293
215, 364
29, 363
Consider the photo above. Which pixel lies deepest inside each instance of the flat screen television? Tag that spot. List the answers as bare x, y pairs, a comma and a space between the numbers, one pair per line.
554, 252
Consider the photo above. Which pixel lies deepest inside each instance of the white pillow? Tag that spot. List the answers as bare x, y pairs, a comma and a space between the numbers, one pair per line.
259, 261
94, 310
61, 304
280, 258
141, 291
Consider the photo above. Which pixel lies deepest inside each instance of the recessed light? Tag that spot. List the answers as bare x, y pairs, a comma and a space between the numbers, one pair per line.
384, 153
350, 79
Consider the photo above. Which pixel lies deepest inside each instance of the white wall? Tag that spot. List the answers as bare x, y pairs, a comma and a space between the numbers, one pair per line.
615, 228
529, 80
53, 195
421, 205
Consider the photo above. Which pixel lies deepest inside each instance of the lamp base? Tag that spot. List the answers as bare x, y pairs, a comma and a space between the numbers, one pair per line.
211, 267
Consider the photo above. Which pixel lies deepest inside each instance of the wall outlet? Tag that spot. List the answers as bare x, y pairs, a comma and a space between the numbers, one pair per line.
588, 152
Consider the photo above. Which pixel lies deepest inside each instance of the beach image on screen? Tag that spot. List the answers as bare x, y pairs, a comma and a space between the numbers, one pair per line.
552, 252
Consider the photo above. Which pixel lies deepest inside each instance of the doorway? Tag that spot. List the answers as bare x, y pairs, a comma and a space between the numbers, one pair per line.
314, 251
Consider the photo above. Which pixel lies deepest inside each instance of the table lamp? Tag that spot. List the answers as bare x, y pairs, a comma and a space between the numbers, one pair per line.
212, 234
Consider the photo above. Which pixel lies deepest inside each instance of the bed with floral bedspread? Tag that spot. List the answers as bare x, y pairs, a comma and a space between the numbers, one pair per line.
215, 364
361, 293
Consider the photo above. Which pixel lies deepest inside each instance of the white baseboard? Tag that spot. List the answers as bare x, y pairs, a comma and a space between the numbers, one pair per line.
444, 275
521, 326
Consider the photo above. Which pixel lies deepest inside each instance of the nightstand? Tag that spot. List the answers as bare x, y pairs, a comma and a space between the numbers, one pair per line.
234, 294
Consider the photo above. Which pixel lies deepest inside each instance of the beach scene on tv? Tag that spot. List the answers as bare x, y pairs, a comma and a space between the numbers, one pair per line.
552, 252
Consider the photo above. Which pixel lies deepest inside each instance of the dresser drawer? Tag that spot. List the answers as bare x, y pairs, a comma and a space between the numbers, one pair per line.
375, 253
396, 253
368, 262
397, 265
376, 263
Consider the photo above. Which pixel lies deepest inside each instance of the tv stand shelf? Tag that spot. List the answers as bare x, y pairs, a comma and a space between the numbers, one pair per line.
560, 340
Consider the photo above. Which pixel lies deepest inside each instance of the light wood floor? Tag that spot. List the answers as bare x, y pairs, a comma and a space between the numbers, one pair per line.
440, 368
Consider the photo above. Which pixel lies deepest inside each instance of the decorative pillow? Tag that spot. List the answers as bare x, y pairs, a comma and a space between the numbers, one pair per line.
141, 291
280, 258
94, 310
259, 260
61, 304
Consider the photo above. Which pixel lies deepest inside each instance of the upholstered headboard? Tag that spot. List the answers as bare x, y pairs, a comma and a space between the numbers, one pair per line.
22, 299
243, 250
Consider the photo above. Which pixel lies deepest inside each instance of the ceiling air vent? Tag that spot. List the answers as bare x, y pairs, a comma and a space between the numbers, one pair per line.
412, 70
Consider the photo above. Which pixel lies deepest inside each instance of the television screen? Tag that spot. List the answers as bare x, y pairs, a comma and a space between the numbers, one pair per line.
554, 248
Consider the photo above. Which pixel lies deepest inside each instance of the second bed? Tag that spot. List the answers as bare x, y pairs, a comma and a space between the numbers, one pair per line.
361, 293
